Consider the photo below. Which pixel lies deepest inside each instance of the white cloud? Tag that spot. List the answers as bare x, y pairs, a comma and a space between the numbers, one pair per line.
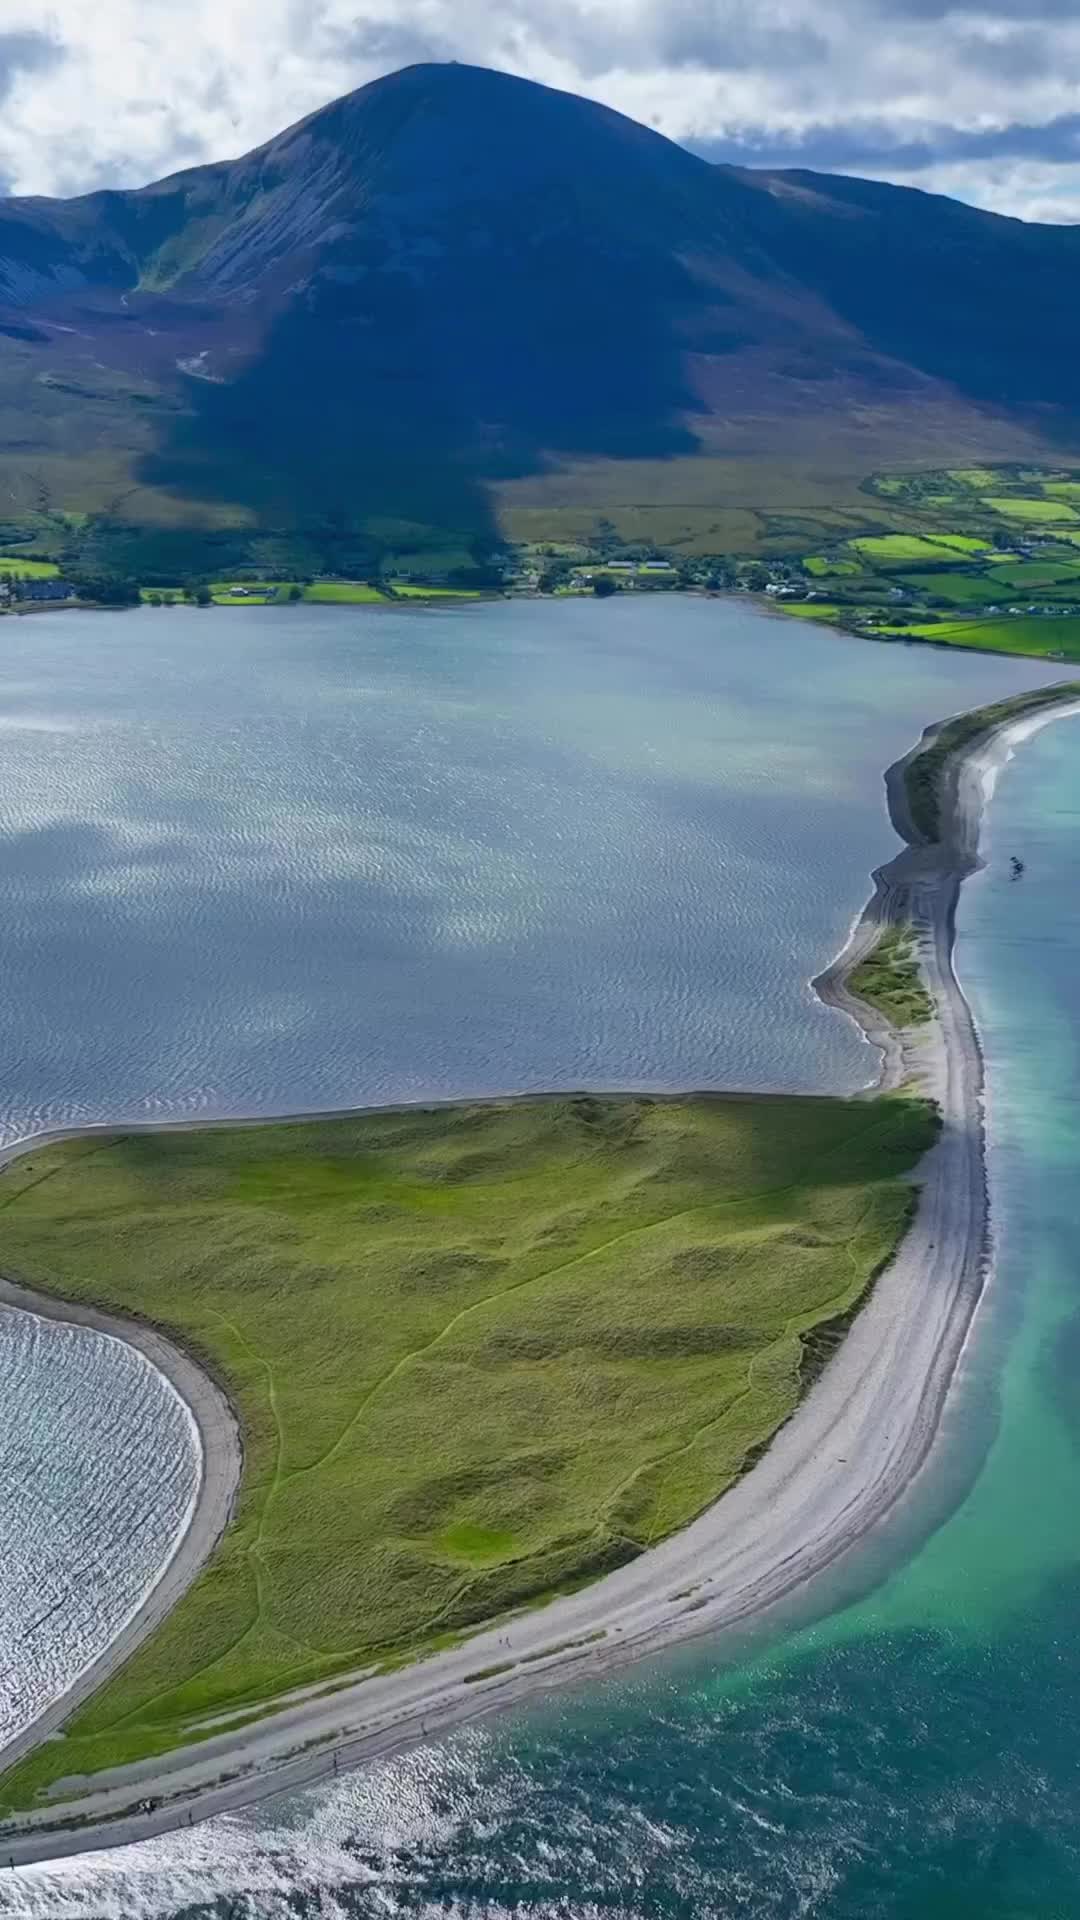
1027, 190
116, 92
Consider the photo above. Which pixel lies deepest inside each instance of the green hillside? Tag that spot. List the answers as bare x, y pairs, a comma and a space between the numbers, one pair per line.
456, 306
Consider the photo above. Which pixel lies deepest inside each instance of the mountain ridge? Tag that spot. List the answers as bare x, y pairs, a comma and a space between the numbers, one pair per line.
451, 280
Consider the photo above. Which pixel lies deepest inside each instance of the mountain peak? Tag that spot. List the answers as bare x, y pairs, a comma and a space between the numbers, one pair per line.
454, 277
448, 127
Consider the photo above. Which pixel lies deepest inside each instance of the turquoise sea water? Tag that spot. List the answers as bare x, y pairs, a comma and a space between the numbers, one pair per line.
912, 1751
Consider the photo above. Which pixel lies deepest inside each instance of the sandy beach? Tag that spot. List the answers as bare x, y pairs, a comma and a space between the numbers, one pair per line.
850, 1452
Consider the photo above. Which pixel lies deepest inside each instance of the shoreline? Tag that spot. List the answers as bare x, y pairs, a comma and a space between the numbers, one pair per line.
450, 603
850, 1452
218, 1437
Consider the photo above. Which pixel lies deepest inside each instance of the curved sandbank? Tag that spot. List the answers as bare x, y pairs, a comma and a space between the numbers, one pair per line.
851, 1450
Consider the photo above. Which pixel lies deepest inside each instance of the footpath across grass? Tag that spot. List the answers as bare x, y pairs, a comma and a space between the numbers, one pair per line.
480, 1354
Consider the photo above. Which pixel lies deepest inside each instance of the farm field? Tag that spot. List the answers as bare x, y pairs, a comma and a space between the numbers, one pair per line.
815, 610
962, 588
967, 556
993, 545
820, 568
1043, 638
22, 569
1036, 511
256, 593
360, 593
1038, 573
903, 549
480, 1354
413, 590
260, 593
351, 593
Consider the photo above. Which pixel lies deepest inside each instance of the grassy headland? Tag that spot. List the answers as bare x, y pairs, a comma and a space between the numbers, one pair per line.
922, 775
480, 1354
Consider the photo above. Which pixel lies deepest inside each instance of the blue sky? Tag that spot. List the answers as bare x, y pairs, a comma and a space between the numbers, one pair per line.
978, 100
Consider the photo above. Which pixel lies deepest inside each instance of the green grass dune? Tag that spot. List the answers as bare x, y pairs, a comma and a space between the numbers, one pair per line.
480, 1354
889, 979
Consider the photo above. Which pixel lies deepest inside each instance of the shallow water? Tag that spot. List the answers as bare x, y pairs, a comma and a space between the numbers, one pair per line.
559, 776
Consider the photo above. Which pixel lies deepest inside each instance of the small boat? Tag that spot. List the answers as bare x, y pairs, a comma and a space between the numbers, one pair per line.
1017, 866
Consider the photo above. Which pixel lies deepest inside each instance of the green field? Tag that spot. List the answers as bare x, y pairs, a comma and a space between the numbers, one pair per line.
1023, 574
977, 478
901, 549
889, 979
480, 1354
359, 593
812, 609
820, 567
352, 593
258, 593
1016, 507
963, 588
1037, 636
962, 575
958, 542
411, 590
27, 569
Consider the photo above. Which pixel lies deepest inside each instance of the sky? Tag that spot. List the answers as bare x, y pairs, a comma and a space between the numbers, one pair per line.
977, 100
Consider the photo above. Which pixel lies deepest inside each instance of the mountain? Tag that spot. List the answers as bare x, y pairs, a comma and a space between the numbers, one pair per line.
453, 289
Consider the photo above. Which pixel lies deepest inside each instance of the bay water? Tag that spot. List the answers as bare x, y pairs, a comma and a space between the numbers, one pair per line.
267, 861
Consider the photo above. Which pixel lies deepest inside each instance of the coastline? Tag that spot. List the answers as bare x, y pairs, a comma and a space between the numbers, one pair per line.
218, 1437
874, 1413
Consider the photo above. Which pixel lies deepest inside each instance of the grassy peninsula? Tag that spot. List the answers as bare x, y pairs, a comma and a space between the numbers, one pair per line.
923, 772
480, 1354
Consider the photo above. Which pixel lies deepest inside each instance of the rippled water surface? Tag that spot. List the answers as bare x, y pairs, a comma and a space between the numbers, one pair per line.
99, 1465
262, 860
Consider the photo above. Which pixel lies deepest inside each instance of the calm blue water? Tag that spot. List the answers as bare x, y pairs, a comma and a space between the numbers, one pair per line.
270, 859
913, 1754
